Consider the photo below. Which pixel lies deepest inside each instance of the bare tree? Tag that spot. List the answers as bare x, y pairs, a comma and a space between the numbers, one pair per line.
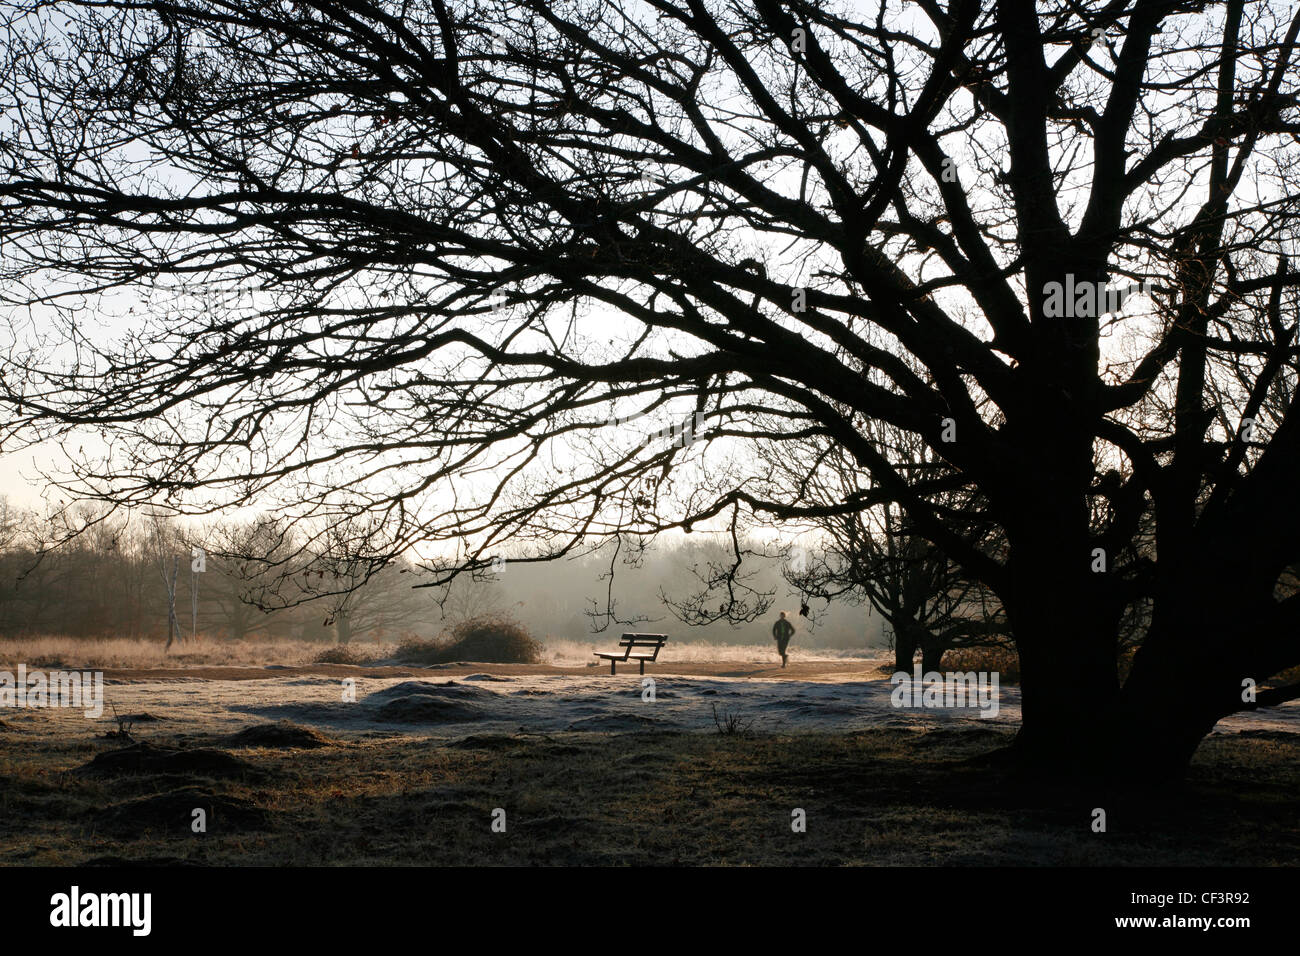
249, 588
875, 555
475, 233
165, 546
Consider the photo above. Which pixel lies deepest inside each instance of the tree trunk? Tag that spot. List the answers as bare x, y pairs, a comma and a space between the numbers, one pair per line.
1190, 670
1076, 719
932, 648
343, 627
173, 626
904, 648
1066, 636
1163, 714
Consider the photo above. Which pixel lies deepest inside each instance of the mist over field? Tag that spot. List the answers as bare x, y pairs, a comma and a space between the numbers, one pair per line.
108, 584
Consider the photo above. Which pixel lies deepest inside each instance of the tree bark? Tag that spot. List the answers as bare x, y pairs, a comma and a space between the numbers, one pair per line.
1077, 720
1190, 670
904, 648
932, 648
1066, 633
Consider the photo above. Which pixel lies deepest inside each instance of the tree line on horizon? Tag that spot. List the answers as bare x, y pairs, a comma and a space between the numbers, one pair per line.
86, 575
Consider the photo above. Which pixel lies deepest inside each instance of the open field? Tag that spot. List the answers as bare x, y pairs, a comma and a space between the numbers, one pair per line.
140, 653
589, 772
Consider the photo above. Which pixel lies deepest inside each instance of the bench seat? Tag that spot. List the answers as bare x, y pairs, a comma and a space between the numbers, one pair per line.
649, 646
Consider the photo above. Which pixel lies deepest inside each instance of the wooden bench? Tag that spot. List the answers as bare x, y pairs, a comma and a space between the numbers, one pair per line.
639, 642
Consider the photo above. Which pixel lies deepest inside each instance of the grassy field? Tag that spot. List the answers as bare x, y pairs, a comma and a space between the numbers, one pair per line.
53, 651
878, 797
341, 790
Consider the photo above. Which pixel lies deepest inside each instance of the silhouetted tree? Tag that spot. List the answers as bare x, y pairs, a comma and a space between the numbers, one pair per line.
481, 236
873, 555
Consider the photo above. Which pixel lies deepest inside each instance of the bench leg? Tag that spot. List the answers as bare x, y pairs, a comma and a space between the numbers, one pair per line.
612, 664
643, 667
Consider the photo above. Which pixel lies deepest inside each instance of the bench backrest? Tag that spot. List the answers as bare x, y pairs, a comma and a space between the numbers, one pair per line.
634, 641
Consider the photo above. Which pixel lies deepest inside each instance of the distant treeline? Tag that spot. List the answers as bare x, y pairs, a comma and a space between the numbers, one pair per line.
111, 579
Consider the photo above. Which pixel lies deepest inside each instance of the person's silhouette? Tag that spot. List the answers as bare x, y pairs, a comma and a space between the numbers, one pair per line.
782, 631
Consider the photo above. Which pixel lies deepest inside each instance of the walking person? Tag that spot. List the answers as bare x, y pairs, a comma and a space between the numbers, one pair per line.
782, 631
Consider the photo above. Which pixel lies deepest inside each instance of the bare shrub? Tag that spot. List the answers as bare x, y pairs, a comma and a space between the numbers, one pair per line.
731, 723
489, 639
342, 654
1003, 660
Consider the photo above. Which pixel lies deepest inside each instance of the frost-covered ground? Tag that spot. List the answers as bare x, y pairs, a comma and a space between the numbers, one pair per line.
457, 700
568, 652
591, 772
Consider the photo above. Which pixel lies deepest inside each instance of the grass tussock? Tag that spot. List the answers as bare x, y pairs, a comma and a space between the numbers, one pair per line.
731, 723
